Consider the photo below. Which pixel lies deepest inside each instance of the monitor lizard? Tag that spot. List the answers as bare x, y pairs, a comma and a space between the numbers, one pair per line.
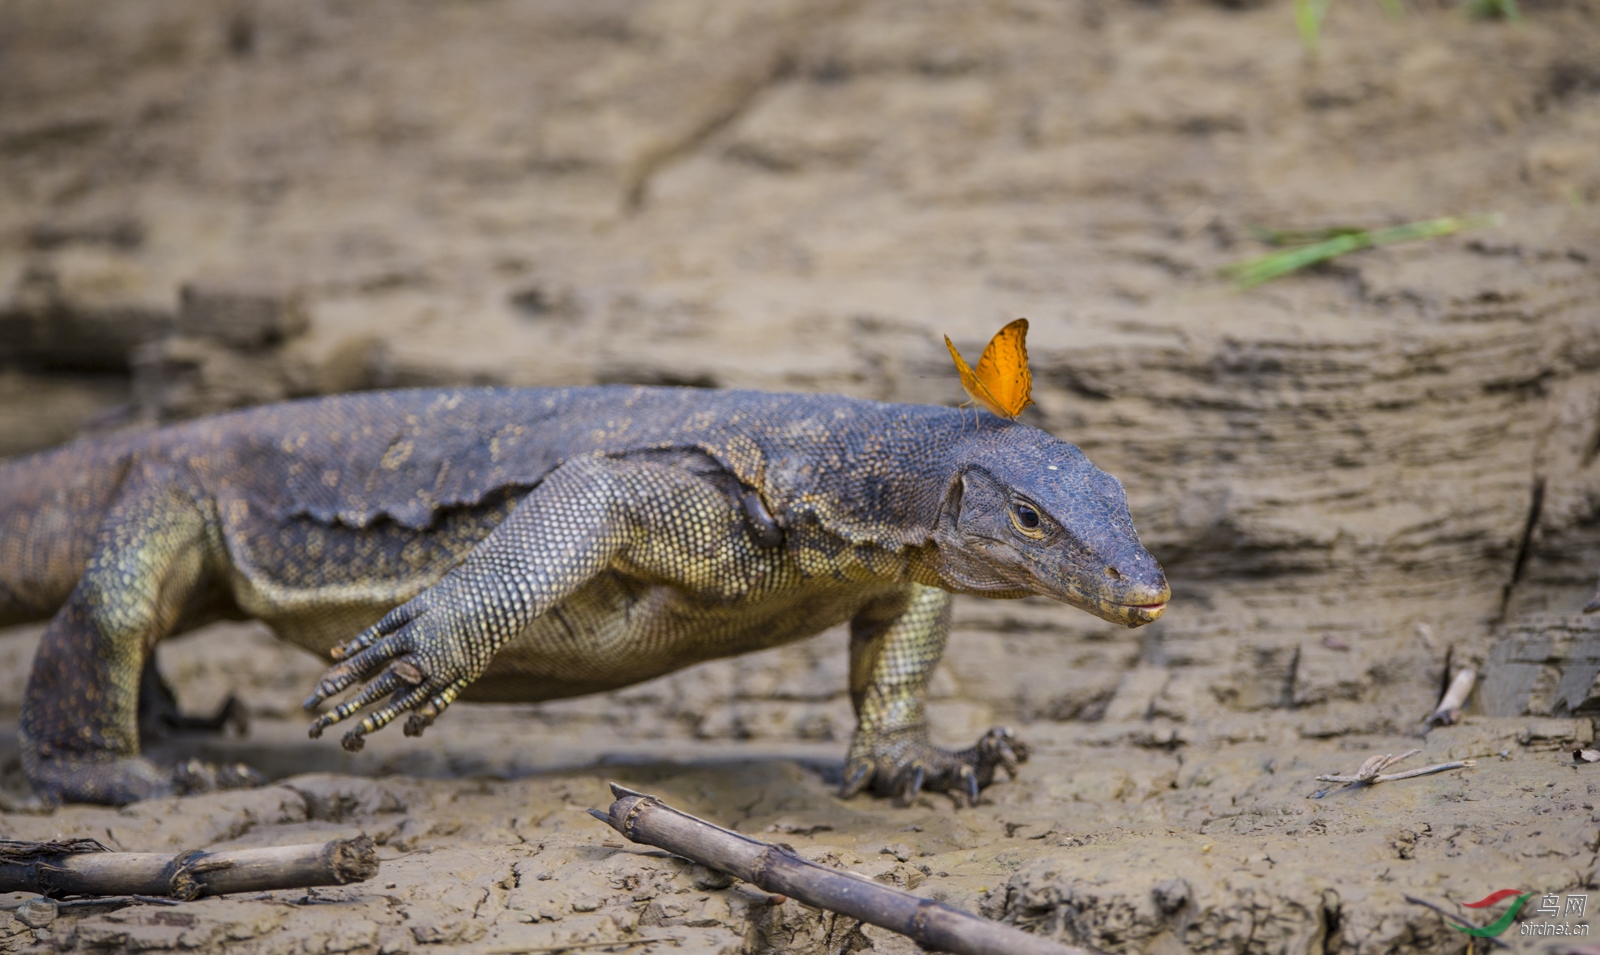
532, 544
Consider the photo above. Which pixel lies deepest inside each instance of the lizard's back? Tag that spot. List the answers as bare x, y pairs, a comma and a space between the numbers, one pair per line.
331, 510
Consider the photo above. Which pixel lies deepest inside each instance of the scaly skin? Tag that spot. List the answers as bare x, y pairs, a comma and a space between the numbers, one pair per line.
530, 545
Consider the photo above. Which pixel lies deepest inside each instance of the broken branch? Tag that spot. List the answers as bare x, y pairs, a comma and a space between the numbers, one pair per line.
643, 818
85, 870
577, 946
1452, 917
1448, 712
1371, 771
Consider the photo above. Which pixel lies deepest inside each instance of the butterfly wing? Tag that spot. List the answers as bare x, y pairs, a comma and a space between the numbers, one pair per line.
1003, 371
970, 382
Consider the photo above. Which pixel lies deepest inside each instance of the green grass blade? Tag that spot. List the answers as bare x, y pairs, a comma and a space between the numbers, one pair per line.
1249, 273
1252, 272
1484, 9
1308, 16
1299, 236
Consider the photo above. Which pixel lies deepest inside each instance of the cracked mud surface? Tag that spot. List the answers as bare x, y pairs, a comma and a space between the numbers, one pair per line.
1358, 478
1122, 834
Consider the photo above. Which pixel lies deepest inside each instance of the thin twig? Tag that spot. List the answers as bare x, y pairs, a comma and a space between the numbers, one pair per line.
1424, 771
1371, 771
1429, 770
100, 900
1448, 712
1452, 916
574, 946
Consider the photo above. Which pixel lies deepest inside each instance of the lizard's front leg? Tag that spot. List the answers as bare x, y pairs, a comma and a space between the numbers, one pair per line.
424, 653
894, 646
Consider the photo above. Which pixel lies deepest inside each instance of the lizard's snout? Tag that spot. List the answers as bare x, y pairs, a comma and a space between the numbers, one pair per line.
1133, 592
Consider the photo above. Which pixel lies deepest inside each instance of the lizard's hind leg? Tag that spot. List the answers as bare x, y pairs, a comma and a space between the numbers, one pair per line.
148, 571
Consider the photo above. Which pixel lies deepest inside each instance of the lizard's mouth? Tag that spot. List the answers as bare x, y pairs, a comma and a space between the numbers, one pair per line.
1127, 614
1146, 613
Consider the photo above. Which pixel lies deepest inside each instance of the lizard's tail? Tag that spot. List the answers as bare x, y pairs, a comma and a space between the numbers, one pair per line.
51, 506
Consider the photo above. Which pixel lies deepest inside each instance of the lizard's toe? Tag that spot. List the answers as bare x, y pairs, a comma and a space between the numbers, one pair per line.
857, 774
911, 780
969, 784
997, 749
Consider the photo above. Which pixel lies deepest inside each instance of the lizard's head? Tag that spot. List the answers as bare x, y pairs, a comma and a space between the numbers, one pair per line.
1026, 513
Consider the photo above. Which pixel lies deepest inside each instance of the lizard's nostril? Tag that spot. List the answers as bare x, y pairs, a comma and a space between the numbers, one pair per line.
1113, 573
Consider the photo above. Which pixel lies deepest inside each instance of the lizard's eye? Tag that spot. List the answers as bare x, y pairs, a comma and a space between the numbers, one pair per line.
1025, 518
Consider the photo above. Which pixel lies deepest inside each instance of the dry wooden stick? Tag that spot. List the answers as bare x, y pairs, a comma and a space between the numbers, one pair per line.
646, 819
52, 872
576, 946
1448, 712
1371, 771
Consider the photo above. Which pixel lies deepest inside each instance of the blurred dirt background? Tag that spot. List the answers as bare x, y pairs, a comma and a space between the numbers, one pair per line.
1358, 478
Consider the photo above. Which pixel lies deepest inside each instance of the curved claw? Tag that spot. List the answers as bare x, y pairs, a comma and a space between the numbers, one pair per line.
969, 784
357, 668
856, 776
362, 641
335, 681
384, 685
391, 622
913, 784
378, 719
1008, 759
416, 723
429, 711
1000, 747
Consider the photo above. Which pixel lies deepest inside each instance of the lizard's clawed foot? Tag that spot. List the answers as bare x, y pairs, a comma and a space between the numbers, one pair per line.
118, 781
415, 660
114, 781
903, 763
195, 776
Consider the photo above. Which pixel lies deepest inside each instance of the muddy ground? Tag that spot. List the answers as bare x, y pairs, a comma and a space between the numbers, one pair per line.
1357, 478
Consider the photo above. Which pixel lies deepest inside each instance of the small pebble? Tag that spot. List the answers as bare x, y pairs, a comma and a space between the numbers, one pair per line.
37, 913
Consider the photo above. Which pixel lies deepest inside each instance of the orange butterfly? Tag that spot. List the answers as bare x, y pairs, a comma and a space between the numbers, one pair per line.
1002, 382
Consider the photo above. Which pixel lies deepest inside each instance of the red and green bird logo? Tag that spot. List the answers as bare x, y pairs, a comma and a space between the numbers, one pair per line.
1500, 924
